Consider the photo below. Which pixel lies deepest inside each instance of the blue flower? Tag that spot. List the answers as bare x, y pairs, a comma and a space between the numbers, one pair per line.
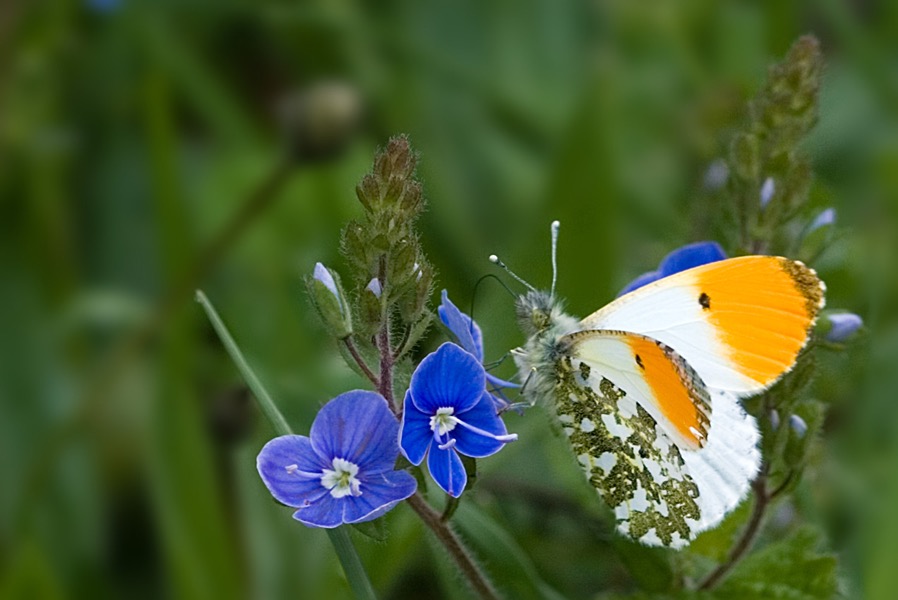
343, 472
446, 412
467, 334
687, 257
843, 326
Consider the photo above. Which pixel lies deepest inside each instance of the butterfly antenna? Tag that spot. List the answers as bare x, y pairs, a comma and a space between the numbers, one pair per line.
495, 260
556, 225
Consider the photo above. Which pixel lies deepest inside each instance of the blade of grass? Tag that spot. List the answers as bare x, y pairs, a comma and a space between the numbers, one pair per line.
349, 558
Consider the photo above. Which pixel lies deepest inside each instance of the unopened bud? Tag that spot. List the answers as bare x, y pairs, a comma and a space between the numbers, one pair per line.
374, 287
843, 326
798, 425
827, 217
716, 176
330, 301
767, 191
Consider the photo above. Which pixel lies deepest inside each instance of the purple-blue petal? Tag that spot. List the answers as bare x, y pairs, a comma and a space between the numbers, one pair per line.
500, 383
689, 256
296, 486
483, 416
380, 493
415, 435
327, 512
356, 426
644, 279
465, 330
449, 377
322, 274
681, 259
447, 470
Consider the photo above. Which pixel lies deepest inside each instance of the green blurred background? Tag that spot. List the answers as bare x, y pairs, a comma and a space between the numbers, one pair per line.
132, 133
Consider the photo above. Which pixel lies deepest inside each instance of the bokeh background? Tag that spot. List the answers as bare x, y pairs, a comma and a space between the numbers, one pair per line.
142, 150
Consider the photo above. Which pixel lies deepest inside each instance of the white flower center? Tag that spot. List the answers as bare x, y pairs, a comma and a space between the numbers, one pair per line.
443, 422
341, 481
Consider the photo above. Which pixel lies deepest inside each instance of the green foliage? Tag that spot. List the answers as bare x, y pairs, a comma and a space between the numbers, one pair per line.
788, 569
130, 138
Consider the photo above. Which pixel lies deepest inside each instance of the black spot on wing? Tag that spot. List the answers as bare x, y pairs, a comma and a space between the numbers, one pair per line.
705, 300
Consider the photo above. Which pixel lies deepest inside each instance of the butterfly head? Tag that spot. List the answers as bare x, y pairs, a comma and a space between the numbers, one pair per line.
539, 314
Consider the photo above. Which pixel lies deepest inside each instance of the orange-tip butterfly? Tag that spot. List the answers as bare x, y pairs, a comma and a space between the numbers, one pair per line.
647, 388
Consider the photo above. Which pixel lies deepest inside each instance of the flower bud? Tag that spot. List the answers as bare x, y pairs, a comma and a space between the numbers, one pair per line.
767, 191
843, 326
374, 287
330, 302
716, 176
774, 419
827, 217
798, 425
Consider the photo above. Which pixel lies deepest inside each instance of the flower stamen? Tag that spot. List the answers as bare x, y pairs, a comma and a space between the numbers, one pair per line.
341, 480
443, 422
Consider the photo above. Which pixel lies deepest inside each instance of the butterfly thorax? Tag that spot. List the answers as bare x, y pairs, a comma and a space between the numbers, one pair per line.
544, 323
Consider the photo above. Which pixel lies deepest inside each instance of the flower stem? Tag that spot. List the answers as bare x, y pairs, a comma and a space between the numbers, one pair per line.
762, 501
454, 546
349, 559
354, 352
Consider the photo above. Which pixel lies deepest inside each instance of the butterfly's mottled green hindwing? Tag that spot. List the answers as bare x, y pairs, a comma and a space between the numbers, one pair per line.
628, 459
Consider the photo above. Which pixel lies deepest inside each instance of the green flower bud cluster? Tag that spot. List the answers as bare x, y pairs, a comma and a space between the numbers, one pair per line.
391, 274
770, 179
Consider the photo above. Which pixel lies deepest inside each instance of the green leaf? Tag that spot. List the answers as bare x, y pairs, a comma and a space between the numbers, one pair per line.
649, 567
375, 530
791, 569
716, 543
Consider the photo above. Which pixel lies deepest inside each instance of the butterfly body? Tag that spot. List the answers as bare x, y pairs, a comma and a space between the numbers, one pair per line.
646, 389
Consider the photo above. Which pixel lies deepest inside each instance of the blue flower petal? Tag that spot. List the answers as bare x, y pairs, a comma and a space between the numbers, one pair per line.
289, 485
644, 279
380, 493
500, 383
681, 259
349, 427
449, 377
327, 512
691, 255
483, 416
415, 435
447, 470
465, 329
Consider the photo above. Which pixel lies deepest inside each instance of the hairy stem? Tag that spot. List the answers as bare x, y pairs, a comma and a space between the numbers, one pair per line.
454, 546
762, 501
354, 352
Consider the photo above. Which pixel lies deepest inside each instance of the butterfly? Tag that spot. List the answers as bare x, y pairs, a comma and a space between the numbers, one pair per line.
647, 388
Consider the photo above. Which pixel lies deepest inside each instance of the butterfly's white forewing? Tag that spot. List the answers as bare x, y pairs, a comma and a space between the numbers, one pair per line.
739, 323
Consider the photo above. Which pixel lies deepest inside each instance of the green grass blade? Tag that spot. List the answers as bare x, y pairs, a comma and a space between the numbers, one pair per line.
349, 558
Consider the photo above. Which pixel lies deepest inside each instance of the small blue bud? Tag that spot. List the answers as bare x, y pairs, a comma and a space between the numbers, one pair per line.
716, 176
768, 189
774, 419
327, 296
323, 275
843, 326
827, 217
798, 425
374, 287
